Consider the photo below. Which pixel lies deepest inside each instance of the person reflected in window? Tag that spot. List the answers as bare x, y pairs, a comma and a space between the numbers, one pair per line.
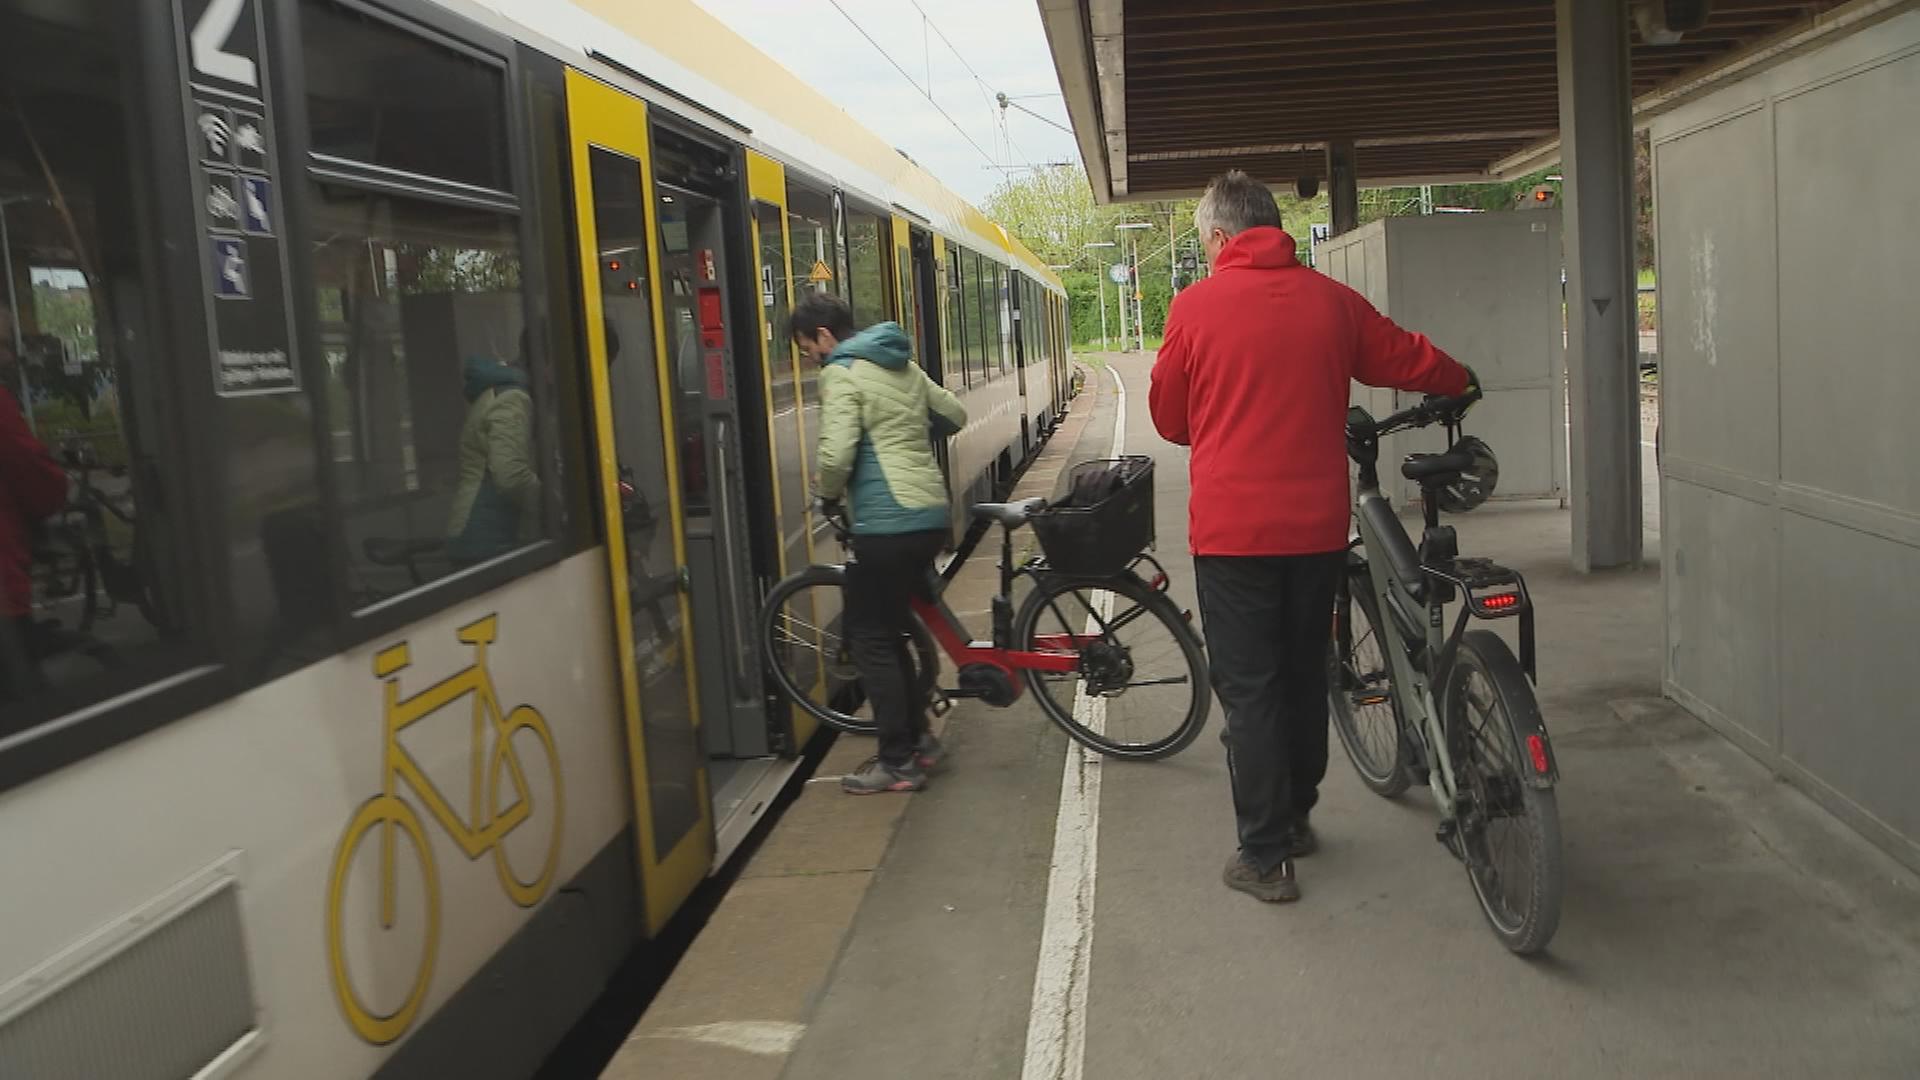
33, 486
498, 492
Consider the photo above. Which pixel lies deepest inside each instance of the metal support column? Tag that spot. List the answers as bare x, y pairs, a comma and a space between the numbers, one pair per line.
1596, 141
1343, 187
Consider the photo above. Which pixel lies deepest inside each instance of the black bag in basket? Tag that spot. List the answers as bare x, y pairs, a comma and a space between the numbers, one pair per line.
1105, 519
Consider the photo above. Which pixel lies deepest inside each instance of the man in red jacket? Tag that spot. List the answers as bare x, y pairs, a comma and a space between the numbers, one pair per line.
32, 487
1254, 376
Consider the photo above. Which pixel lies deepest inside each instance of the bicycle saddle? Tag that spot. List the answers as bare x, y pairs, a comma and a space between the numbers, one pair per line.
1427, 468
1011, 514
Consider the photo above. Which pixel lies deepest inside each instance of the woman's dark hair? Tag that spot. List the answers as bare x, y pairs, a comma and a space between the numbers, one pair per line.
819, 311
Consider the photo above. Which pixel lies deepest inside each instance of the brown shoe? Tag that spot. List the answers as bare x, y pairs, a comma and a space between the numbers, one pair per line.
1276, 886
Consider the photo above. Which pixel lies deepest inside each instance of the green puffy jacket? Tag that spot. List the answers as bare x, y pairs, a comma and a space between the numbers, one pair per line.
498, 492
878, 410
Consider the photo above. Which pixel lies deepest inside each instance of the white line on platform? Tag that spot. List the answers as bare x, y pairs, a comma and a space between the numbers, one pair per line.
1057, 1022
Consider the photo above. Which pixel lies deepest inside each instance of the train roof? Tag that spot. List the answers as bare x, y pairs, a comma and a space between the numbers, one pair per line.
682, 59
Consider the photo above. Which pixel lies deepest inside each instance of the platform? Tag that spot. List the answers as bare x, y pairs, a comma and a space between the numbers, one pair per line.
1717, 922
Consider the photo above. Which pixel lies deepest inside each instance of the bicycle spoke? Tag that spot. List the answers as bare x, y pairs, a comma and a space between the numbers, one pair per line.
1132, 661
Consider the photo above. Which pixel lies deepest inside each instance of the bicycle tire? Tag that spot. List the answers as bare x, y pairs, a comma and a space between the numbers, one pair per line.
1525, 931
376, 1027
1387, 779
837, 710
1150, 602
526, 718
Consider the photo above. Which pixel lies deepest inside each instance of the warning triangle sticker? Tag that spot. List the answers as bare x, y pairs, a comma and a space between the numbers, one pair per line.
1601, 303
820, 271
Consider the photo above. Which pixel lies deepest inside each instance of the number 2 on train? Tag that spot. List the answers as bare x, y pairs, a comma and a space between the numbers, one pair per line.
389, 817
212, 33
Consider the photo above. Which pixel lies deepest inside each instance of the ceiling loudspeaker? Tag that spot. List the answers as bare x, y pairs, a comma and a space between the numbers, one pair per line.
1307, 186
1663, 22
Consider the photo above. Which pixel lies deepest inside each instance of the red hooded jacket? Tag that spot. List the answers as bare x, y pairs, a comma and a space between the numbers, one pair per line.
1255, 376
32, 486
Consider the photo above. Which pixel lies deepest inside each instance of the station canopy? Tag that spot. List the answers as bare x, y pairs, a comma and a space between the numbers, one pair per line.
1164, 94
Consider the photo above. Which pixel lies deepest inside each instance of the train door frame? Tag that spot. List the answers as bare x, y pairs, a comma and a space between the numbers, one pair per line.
599, 116
926, 295
733, 557
766, 183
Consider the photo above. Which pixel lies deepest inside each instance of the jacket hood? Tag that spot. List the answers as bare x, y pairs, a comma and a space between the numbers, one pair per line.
484, 374
1262, 247
884, 344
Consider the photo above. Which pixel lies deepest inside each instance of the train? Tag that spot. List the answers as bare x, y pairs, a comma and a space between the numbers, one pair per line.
420, 376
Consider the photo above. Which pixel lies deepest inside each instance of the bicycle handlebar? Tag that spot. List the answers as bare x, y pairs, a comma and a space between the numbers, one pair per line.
1432, 410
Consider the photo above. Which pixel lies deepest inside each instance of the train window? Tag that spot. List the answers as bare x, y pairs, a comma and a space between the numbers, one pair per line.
867, 268
983, 305
90, 576
380, 95
430, 401
810, 222
909, 302
970, 312
1003, 317
954, 345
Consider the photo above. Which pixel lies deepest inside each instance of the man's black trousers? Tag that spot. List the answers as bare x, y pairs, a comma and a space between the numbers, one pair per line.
1268, 620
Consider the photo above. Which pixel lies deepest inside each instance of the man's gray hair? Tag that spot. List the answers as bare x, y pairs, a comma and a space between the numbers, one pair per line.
1235, 202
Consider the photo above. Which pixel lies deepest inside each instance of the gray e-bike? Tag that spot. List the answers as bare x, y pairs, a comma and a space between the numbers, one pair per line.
1418, 700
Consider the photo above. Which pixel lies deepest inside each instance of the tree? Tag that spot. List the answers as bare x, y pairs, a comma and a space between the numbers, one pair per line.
1052, 211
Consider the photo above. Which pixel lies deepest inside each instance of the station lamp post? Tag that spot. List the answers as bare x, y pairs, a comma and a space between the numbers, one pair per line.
1133, 279
1102, 283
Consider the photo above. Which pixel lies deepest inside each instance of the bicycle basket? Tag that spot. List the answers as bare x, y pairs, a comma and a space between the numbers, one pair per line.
1105, 519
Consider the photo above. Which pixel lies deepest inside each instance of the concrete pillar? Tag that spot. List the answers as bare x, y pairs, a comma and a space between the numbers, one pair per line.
1343, 187
1596, 147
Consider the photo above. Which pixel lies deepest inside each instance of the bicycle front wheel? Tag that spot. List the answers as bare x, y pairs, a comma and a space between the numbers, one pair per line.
811, 659
1139, 689
1360, 690
1509, 829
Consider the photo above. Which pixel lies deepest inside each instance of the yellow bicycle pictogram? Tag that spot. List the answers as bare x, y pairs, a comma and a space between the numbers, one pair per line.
501, 801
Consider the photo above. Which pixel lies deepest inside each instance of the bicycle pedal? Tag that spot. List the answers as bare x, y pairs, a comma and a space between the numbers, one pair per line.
938, 703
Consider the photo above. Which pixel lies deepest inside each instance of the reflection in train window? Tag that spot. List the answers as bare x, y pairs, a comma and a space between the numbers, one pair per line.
868, 269
954, 344
379, 95
985, 348
90, 586
429, 399
810, 221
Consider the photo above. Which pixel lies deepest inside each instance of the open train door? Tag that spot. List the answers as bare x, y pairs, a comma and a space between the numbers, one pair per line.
786, 415
638, 478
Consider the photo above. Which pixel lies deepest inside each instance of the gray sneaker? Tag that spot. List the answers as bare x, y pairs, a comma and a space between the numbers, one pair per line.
876, 777
1276, 886
928, 753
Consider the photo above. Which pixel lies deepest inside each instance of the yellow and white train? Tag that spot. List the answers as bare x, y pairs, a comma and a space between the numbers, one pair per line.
417, 366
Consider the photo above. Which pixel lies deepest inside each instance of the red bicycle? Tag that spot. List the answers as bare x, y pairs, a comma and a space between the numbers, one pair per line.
1107, 655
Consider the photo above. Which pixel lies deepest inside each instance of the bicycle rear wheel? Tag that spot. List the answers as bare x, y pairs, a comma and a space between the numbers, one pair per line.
1360, 690
1141, 689
810, 657
1509, 829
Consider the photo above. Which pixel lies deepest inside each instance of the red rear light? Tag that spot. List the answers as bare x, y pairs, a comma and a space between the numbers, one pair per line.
1537, 749
1500, 602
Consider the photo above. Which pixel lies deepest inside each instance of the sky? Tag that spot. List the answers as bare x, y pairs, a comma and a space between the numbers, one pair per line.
1001, 40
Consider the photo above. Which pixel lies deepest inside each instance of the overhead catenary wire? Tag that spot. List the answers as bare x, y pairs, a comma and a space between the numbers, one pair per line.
924, 91
993, 96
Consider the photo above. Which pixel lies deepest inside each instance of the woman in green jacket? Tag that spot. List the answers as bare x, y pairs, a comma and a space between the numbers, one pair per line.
498, 492
879, 415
